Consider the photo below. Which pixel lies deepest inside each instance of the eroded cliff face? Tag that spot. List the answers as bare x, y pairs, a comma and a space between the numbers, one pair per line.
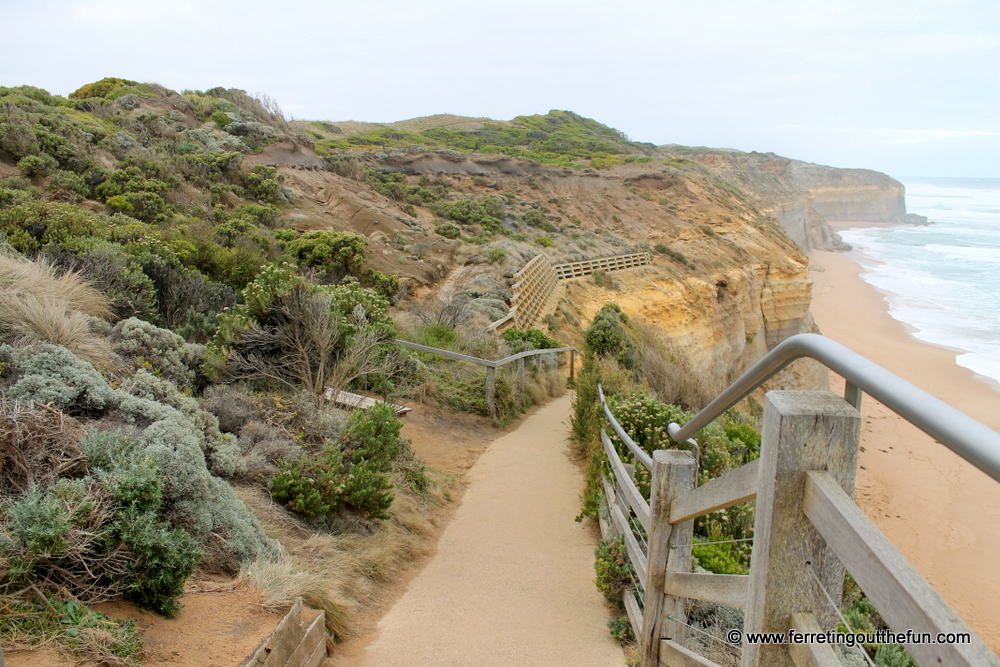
851, 194
727, 284
803, 197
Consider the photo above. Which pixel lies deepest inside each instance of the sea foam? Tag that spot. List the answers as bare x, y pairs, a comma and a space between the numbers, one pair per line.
943, 280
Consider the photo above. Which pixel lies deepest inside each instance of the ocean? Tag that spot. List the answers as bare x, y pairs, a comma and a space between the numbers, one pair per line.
943, 280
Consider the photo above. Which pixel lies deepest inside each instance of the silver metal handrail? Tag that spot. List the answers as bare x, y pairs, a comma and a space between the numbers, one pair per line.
974, 442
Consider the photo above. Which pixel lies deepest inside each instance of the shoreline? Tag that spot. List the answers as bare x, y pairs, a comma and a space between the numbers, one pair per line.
938, 510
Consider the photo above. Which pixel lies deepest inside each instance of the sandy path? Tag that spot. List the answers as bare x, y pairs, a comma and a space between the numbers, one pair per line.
512, 581
943, 514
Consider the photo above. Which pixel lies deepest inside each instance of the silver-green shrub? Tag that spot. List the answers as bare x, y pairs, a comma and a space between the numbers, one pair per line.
47, 373
160, 349
184, 440
166, 402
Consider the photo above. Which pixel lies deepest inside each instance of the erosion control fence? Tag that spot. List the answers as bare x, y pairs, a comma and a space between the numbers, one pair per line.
537, 280
492, 366
807, 529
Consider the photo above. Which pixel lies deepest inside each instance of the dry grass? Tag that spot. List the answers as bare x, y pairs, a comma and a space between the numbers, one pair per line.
669, 372
38, 305
38, 444
341, 573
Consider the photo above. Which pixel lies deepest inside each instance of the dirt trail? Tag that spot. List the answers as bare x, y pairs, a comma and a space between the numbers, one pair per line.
512, 581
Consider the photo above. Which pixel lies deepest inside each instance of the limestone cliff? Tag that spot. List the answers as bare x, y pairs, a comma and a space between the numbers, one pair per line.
803, 196
727, 283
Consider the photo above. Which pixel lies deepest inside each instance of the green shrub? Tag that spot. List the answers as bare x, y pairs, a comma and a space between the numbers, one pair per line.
32, 225
100, 88
161, 350
534, 339
221, 119
536, 217
263, 184
69, 186
448, 230
487, 212
621, 629
609, 335
497, 255
337, 254
354, 474
37, 165
615, 572
545, 242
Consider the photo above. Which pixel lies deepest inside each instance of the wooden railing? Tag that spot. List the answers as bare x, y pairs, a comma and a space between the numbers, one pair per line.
537, 280
588, 266
492, 366
807, 531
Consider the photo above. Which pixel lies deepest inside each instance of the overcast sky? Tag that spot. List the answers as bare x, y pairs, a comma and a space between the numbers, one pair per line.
909, 87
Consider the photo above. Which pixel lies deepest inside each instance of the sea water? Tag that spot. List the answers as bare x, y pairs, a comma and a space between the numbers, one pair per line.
943, 280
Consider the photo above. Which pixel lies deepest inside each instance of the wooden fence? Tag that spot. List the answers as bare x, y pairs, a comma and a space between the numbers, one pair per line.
588, 266
807, 531
537, 280
492, 366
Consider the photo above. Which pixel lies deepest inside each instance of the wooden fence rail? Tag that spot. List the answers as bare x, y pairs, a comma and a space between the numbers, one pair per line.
588, 266
492, 366
537, 280
807, 531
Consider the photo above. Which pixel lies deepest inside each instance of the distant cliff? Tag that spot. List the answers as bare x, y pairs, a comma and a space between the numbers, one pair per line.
803, 196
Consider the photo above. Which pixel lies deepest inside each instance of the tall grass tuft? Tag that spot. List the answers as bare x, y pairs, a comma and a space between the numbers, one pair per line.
39, 305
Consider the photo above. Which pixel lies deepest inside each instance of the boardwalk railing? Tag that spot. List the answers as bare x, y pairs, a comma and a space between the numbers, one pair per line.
492, 366
807, 529
588, 266
537, 280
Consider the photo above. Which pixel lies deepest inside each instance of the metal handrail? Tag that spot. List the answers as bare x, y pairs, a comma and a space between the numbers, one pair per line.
974, 442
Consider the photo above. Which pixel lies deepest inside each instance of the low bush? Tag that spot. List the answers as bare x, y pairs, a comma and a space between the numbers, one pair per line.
615, 572
352, 474
529, 339
545, 242
609, 335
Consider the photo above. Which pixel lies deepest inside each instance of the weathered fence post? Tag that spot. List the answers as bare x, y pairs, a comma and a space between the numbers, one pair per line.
520, 372
490, 400
572, 365
803, 430
674, 473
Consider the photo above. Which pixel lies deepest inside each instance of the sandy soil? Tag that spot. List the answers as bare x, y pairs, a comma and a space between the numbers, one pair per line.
222, 624
511, 583
943, 514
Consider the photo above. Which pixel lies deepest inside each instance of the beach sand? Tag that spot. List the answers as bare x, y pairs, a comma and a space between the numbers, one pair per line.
939, 511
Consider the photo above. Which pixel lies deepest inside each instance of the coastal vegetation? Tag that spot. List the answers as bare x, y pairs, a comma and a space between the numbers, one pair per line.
167, 337
647, 387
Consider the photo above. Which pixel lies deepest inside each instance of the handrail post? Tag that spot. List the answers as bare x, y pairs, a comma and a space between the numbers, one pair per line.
520, 372
572, 365
490, 386
803, 430
674, 473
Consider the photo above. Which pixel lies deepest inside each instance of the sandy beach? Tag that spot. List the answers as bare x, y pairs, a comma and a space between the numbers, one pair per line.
942, 513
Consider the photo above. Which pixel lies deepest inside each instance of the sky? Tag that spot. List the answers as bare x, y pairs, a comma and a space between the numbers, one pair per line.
911, 87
